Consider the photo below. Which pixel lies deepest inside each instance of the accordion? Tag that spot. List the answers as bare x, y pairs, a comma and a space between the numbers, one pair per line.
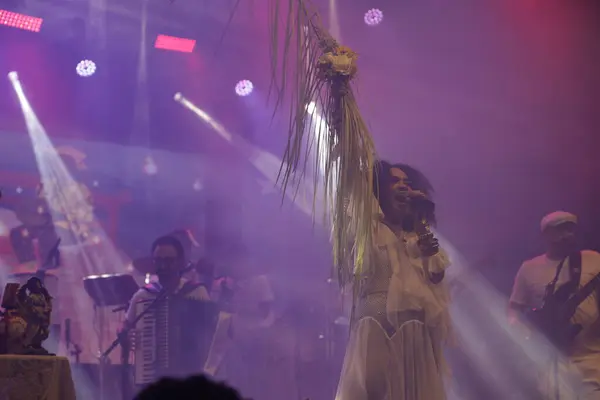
173, 339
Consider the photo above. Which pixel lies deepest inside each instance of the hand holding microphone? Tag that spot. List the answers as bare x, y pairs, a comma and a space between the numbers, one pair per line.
423, 208
428, 244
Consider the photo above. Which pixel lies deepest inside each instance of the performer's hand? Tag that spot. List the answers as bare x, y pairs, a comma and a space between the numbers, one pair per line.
428, 245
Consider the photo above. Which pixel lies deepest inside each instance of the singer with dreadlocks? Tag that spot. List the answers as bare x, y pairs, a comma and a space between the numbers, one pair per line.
400, 319
394, 264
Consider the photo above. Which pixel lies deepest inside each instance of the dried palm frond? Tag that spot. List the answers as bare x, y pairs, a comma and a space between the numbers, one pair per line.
309, 65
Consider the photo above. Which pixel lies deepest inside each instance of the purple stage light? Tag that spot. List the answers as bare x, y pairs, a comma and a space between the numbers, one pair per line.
373, 17
244, 88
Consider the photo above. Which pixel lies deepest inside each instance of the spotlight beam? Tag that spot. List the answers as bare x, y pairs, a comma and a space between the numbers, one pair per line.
69, 203
266, 163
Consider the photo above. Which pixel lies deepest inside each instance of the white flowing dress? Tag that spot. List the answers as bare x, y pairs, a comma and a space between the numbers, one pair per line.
400, 324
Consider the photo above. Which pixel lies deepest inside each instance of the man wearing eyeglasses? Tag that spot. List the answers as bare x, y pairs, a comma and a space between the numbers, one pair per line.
169, 261
190, 328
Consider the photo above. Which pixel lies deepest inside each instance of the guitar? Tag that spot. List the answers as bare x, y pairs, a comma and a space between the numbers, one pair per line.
553, 319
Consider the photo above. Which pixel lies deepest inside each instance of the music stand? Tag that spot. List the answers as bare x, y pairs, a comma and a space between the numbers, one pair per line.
108, 291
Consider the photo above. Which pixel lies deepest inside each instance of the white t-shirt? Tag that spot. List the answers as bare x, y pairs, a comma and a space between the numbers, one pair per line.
528, 291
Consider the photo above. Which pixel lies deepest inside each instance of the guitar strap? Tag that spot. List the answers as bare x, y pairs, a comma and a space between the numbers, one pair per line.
574, 274
551, 287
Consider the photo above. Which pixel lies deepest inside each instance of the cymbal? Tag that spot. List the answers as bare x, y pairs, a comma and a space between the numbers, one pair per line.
145, 265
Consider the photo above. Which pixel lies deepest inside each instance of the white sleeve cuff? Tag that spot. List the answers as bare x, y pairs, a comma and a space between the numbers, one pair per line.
439, 262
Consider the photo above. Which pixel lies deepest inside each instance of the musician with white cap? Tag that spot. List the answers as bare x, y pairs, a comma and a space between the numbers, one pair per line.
563, 264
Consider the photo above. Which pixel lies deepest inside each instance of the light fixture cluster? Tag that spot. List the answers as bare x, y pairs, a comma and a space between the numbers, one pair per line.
20, 21
86, 68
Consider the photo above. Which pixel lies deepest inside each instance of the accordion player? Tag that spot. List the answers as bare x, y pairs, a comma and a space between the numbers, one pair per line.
173, 338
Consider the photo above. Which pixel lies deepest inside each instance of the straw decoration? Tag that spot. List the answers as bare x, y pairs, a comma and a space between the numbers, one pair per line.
307, 64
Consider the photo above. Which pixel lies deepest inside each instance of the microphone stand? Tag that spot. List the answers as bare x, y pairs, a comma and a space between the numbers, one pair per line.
76, 352
122, 339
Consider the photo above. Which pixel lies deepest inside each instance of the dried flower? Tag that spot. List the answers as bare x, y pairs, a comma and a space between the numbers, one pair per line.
340, 62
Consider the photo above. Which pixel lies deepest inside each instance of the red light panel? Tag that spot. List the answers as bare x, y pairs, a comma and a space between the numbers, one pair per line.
20, 21
174, 43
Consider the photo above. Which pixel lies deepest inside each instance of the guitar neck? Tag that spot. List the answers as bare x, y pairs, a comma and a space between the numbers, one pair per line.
584, 292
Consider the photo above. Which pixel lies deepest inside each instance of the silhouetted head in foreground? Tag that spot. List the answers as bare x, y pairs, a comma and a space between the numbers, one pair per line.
196, 387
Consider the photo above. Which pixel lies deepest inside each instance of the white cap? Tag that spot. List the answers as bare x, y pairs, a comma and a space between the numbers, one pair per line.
556, 218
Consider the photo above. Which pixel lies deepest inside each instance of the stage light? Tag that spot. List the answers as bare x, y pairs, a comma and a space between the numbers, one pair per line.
13, 76
177, 96
311, 108
173, 43
150, 167
20, 21
244, 88
198, 185
86, 68
373, 17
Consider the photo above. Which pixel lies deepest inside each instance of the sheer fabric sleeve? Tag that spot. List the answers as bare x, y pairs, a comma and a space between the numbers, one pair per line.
411, 289
399, 356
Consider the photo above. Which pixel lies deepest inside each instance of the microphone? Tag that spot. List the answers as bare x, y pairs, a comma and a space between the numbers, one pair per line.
422, 204
422, 207
68, 331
